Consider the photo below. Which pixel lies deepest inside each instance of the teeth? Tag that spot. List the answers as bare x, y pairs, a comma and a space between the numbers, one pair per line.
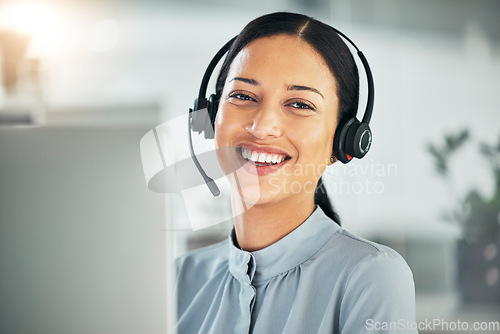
246, 153
261, 157
255, 156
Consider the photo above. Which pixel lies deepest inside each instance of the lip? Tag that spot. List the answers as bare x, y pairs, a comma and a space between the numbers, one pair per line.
261, 170
263, 148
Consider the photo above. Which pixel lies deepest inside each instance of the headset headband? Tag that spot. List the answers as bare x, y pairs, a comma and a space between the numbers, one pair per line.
352, 137
208, 73
201, 102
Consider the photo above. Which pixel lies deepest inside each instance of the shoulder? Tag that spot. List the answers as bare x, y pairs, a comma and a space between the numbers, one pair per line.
205, 260
362, 247
359, 254
376, 282
378, 278
363, 265
378, 264
198, 273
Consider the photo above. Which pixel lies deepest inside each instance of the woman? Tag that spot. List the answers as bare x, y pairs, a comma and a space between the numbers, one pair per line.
287, 267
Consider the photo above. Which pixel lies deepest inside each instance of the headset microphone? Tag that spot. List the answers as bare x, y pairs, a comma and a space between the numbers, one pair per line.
208, 180
202, 117
353, 138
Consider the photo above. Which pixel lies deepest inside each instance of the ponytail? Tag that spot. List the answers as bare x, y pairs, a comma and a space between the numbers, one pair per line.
321, 199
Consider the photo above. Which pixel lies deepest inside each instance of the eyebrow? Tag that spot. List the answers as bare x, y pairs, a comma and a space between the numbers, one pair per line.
246, 80
296, 87
288, 87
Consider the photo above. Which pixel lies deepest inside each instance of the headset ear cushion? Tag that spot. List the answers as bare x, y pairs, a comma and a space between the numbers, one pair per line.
212, 107
352, 140
199, 118
358, 140
339, 141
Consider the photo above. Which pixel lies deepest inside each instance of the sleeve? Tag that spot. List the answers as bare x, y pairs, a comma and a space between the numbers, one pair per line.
379, 296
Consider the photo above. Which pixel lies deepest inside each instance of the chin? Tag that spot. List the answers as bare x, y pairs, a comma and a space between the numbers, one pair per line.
256, 193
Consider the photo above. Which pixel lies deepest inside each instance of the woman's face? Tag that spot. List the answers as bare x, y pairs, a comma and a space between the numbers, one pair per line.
276, 120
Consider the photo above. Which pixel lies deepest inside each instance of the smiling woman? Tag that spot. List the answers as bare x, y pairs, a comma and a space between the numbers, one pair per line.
287, 86
268, 114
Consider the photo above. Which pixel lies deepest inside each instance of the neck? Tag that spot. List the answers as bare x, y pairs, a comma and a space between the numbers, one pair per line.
264, 224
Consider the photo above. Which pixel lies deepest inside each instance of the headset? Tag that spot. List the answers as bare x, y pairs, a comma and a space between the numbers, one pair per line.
353, 138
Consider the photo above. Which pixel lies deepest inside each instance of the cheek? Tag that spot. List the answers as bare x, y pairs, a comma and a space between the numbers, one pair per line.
327, 135
217, 131
318, 150
317, 140
228, 122
223, 127
219, 137
226, 131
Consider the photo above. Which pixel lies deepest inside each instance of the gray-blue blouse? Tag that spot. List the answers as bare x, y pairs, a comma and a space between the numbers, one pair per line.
317, 279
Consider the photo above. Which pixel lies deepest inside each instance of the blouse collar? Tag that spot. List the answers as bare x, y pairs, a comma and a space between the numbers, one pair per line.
287, 253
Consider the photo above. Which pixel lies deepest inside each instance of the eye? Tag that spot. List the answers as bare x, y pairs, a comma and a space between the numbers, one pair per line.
302, 105
241, 96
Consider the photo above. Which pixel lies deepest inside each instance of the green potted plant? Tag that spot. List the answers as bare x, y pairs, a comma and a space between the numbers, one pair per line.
478, 249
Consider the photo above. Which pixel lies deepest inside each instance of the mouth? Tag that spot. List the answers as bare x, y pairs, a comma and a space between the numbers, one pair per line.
262, 157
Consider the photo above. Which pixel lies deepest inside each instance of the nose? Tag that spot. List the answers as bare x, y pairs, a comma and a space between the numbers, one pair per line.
267, 122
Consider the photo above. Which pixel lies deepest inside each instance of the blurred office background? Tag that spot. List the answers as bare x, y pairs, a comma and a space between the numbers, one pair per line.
85, 247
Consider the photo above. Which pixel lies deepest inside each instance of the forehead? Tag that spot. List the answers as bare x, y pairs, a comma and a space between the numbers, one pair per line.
283, 58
